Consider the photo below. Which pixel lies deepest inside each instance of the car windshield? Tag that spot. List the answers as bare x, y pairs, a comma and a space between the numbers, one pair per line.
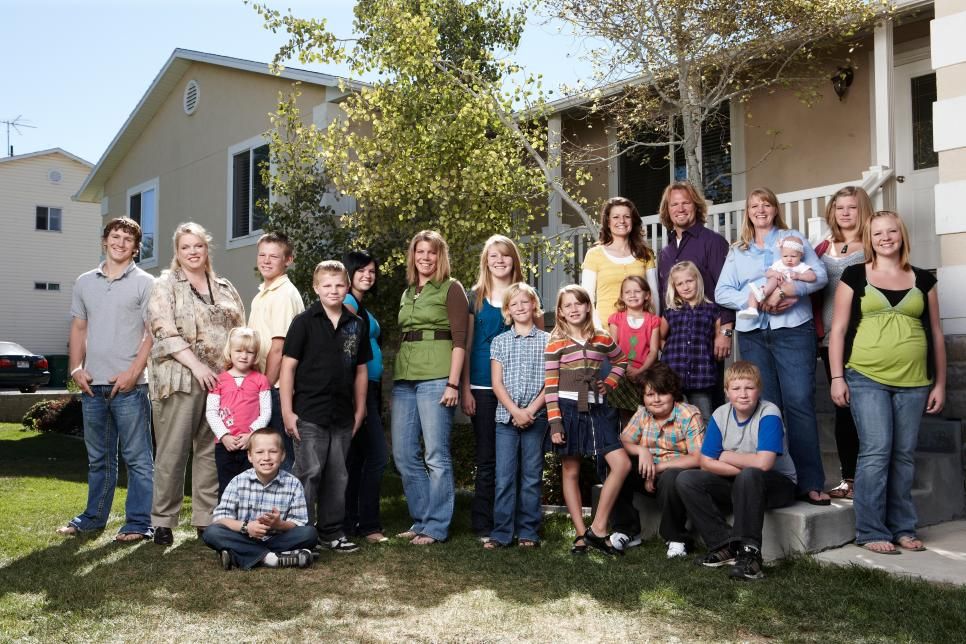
8, 348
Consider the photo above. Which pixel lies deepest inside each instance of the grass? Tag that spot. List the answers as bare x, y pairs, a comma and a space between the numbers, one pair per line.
88, 588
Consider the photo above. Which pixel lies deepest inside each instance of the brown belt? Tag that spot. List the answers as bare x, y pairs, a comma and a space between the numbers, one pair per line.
416, 336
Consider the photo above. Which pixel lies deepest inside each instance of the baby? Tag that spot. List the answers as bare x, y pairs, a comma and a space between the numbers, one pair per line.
788, 267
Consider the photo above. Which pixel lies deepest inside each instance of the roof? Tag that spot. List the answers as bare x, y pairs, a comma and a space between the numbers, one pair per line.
164, 83
40, 153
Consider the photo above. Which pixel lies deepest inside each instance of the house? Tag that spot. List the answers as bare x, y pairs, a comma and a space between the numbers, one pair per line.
191, 149
898, 131
50, 241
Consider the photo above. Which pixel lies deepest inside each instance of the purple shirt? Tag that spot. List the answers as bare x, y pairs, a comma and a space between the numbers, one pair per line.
707, 249
689, 349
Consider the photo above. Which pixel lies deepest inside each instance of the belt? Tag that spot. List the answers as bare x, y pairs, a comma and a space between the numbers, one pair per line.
416, 336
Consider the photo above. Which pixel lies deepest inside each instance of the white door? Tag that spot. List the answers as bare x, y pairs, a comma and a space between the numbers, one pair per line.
917, 164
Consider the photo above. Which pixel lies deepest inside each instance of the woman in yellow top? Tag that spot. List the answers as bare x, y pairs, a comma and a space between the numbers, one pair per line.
622, 250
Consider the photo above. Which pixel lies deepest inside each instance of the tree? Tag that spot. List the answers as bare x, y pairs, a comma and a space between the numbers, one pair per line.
679, 60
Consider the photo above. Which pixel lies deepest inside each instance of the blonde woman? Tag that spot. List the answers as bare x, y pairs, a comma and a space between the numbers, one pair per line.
191, 312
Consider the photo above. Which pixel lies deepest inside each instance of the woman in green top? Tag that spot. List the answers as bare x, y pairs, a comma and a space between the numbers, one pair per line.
888, 363
433, 316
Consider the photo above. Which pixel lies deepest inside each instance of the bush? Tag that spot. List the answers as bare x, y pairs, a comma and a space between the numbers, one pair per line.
61, 415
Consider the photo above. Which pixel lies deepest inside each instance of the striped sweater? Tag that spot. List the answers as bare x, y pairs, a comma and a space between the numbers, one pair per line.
575, 368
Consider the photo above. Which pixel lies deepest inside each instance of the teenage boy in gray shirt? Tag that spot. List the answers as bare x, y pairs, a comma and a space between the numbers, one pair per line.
109, 348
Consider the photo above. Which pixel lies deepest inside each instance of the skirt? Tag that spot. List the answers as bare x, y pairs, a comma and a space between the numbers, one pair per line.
627, 396
592, 433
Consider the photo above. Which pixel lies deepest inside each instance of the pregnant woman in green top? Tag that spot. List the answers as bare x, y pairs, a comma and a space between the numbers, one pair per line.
888, 363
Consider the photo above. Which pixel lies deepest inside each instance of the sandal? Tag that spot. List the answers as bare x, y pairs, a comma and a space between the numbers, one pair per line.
492, 544
129, 537
423, 540
600, 543
528, 543
844, 490
913, 544
880, 548
579, 548
69, 530
376, 537
814, 497
409, 535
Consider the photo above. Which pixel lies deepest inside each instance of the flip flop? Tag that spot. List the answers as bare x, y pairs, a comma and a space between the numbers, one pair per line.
69, 530
808, 498
528, 543
409, 535
129, 537
492, 544
423, 540
904, 543
376, 537
869, 546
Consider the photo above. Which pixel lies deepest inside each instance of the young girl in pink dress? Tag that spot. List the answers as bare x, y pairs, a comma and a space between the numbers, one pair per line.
638, 333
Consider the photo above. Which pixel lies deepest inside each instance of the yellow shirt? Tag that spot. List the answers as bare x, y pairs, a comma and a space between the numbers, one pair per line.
272, 311
610, 272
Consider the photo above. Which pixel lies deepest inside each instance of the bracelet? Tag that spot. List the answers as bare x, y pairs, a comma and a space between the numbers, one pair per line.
452, 386
834, 377
76, 369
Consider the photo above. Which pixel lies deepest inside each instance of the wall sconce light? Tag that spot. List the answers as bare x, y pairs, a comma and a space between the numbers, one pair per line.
842, 80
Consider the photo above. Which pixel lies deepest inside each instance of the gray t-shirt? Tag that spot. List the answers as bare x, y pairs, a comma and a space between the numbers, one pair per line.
116, 312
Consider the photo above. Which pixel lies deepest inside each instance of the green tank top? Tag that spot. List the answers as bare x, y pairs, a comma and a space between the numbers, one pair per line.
426, 359
890, 344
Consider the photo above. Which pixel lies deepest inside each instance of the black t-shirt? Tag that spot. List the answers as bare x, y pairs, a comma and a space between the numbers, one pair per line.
328, 357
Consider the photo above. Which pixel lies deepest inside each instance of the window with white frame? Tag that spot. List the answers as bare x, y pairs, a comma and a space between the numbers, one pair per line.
142, 207
49, 218
46, 286
247, 191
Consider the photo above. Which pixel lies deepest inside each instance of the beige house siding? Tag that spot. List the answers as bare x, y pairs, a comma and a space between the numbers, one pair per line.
37, 319
588, 135
188, 155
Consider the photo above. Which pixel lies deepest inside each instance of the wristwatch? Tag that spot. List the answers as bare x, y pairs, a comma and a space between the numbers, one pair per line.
727, 332
244, 529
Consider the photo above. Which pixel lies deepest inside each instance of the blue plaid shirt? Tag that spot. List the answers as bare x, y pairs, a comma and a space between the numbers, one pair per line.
523, 366
689, 349
246, 499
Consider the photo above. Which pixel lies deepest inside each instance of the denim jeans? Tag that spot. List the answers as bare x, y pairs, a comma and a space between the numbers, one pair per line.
275, 422
230, 464
246, 552
427, 475
701, 398
888, 422
519, 475
786, 359
484, 431
320, 464
110, 423
368, 457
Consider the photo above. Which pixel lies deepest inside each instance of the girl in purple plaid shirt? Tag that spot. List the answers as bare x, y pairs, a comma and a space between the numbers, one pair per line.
693, 321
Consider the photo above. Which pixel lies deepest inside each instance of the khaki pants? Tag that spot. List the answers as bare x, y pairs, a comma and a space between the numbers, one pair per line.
180, 429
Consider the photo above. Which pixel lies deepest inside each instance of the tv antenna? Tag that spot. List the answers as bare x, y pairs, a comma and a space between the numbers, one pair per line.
16, 124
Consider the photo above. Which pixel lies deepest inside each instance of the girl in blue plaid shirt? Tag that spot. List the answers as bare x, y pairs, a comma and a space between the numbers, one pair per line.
693, 323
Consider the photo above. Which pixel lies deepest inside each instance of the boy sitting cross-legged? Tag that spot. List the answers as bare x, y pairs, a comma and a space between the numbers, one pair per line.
261, 519
745, 468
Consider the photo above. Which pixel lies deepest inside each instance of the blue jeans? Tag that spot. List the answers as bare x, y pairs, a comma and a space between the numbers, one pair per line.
519, 474
428, 484
275, 422
786, 359
123, 421
247, 552
888, 422
368, 457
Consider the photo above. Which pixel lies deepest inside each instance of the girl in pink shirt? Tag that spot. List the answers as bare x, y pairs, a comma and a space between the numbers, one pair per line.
239, 404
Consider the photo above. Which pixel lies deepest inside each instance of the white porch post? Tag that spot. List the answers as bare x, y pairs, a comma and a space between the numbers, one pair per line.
550, 281
885, 147
613, 163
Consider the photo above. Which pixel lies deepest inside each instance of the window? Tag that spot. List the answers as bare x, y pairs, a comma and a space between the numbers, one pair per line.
48, 218
142, 207
923, 96
247, 191
46, 286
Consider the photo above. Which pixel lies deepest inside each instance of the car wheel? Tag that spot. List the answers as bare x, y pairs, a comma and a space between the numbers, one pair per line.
29, 389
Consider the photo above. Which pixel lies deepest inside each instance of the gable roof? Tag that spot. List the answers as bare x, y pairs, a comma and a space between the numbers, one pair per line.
41, 153
164, 83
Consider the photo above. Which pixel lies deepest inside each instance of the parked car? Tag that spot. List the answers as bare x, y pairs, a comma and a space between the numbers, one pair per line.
21, 368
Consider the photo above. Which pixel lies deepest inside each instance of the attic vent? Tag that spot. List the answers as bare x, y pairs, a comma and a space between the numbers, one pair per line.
192, 93
55, 176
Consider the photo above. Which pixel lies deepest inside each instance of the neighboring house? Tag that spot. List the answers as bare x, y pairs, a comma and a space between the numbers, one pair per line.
49, 241
190, 152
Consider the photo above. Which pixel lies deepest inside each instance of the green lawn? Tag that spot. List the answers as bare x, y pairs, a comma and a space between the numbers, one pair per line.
52, 589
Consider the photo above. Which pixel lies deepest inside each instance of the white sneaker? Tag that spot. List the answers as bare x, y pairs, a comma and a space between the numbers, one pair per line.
748, 314
340, 545
621, 541
676, 549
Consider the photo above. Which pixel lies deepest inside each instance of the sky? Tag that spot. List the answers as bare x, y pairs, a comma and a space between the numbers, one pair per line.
75, 69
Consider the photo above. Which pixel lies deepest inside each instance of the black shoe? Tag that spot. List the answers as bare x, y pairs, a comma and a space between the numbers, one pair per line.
163, 536
578, 548
720, 557
295, 558
225, 558
748, 565
600, 543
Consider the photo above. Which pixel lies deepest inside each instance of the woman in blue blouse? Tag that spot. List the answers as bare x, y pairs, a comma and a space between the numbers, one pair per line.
368, 455
781, 341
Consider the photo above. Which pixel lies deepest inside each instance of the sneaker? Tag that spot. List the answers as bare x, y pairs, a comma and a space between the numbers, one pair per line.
676, 549
620, 541
748, 565
721, 557
747, 314
224, 557
295, 558
340, 545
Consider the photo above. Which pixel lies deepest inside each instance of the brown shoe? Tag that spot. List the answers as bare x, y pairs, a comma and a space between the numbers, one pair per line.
844, 490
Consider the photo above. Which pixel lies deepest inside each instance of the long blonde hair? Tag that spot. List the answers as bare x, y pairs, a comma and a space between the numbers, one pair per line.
672, 298
865, 211
747, 235
442, 256
191, 228
562, 328
484, 283
870, 254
